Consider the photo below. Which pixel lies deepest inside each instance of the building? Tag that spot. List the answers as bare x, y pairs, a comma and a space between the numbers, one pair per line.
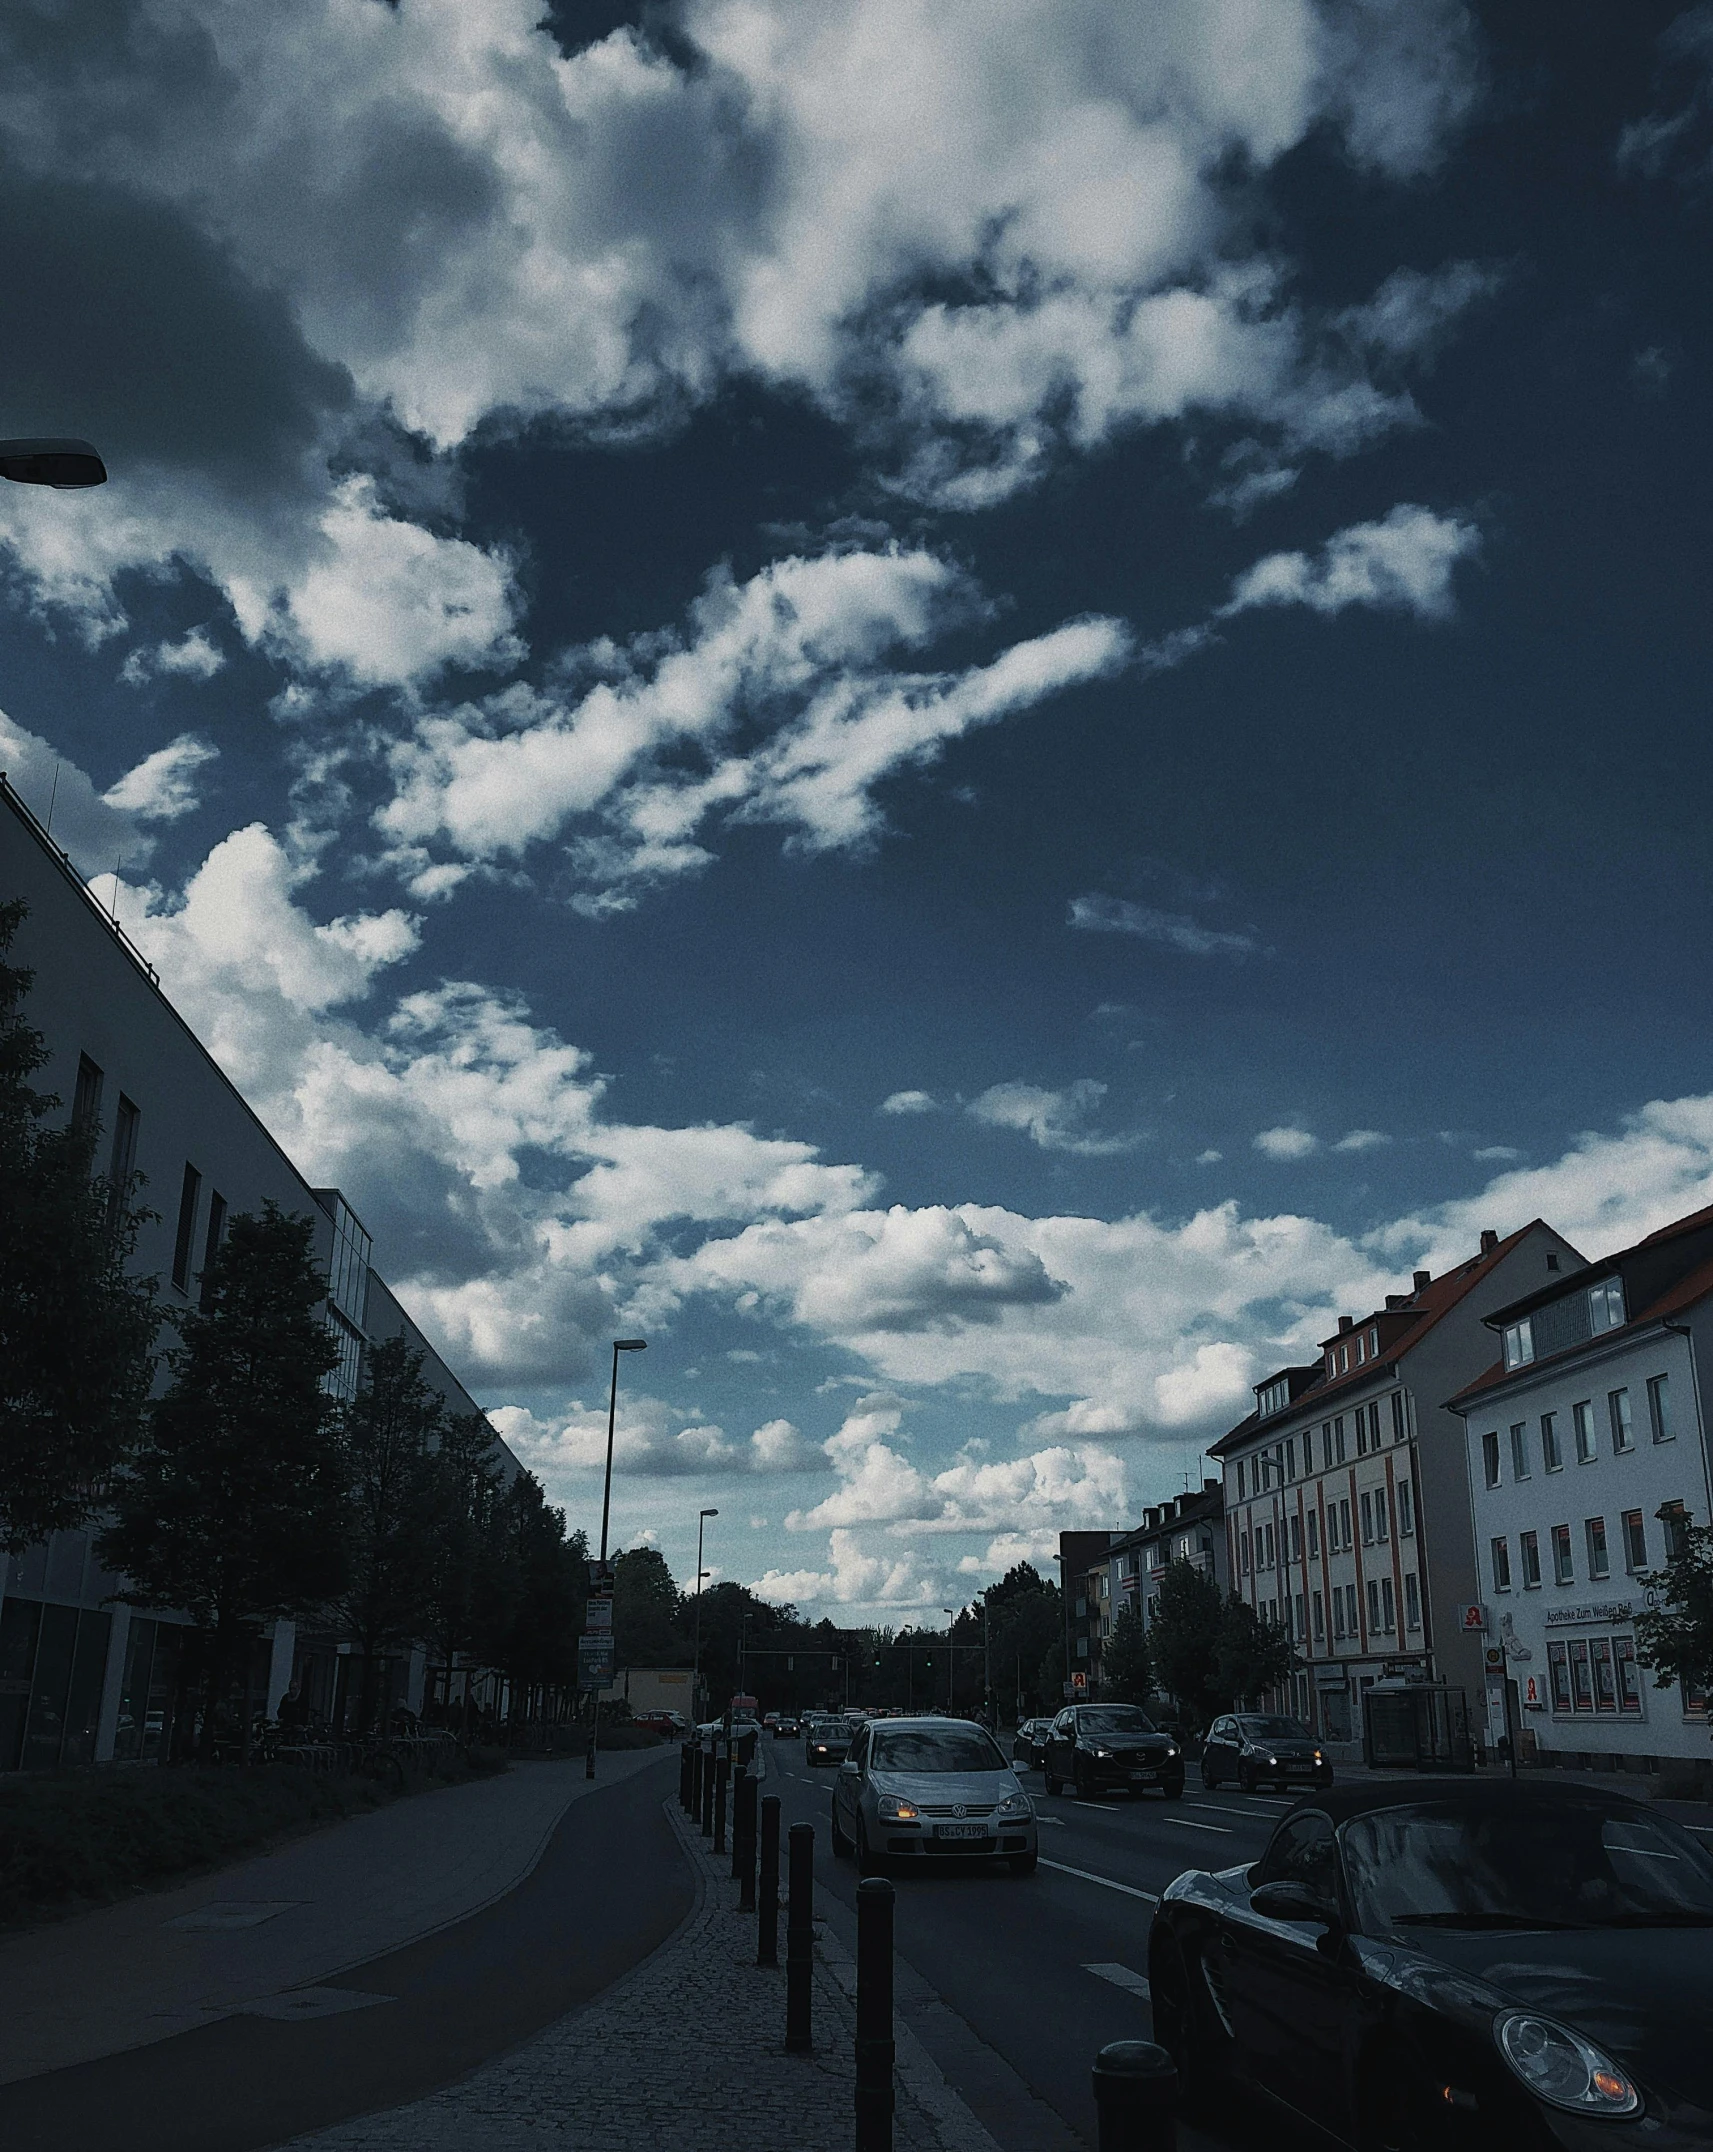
1120, 1569
82, 1677
1587, 1458
1346, 1495
1085, 1589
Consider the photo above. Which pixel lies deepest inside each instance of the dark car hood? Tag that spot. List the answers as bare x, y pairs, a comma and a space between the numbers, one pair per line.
1297, 1751
1646, 1994
1128, 1744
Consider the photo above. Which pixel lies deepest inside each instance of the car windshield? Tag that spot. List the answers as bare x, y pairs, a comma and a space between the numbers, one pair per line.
1115, 1719
1532, 1865
937, 1748
1274, 1729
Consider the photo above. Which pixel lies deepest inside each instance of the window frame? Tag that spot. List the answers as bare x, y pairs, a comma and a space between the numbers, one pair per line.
1499, 1562
1621, 1420
1563, 1555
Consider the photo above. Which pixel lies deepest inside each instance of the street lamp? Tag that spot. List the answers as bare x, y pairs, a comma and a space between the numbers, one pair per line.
63, 464
619, 1345
702, 1517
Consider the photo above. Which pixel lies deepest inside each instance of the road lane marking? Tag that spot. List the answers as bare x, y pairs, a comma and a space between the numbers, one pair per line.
1121, 1977
1184, 1824
1106, 1808
1218, 1808
1087, 1875
1056, 1823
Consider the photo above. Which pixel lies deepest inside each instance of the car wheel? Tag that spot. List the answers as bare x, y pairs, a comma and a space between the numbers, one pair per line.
1080, 1781
1399, 2111
1246, 1777
1173, 1789
1209, 1778
1023, 1864
868, 1862
1052, 1784
1180, 2026
842, 1848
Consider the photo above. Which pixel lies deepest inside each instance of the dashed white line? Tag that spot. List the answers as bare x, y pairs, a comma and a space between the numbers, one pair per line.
1121, 1977
1185, 1824
1106, 1808
1086, 1875
1218, 1808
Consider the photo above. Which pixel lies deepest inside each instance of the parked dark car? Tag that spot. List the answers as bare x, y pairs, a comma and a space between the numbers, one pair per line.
1255, 1748
1099, 1746
826, 1741
1029, 1742
786, 1724
1431, 1964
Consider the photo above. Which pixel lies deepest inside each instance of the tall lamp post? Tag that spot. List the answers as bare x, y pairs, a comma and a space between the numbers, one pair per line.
603, 1581
951, 1663
702, 1517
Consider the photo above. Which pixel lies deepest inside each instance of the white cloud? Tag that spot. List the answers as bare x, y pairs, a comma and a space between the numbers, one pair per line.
854, 1578
909, 1102
99, 830
1403, 563
162, 787
1286, 1143
1209, 1157
1497, 1154
194, 657
1363, 1139
1052, 1120
1171, 930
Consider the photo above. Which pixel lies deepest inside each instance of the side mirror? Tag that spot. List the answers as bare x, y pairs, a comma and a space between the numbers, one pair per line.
1294, 1901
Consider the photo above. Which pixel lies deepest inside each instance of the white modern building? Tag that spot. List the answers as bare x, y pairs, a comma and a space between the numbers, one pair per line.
1587, 1457
82, 1677
1346, 1499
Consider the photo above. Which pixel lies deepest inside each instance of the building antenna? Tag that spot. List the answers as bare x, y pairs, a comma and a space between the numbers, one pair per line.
52, 796
113, 908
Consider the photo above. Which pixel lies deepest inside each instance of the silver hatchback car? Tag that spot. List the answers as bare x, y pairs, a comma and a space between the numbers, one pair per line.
931, 1789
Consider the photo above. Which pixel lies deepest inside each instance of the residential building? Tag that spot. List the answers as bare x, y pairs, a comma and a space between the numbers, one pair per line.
1085, 1588
84, 1678
1587, 1457
1346, 1498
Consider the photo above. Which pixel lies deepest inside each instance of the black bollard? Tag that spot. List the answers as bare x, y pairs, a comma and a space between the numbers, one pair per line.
739, 1774
684, 1776
707, 1793
743, 1842
1135, 2096
767, 1939
722, 1772
874, 2049
695, 1803
800, 1938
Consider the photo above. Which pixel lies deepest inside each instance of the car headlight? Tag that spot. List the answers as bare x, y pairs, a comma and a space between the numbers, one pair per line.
1014, 1804
1318, 1757
1272, 1763
1171, 1750
895, 1809
1103, 1755
1562, 2068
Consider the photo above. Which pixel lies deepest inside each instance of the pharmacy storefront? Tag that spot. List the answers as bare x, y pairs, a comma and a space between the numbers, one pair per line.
1581, 1689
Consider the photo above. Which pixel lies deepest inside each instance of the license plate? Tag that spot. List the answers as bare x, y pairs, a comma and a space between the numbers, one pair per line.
1141, 1774
960, 1830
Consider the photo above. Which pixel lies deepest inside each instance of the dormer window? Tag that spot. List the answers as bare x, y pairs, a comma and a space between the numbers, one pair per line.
1519, 1343
1331, 1362
1606, 1305
1273, 1397
1374, 1343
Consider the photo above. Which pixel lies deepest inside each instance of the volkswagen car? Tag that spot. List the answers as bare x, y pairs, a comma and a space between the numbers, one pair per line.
1486, 1965
1028, 1742
1099, 1748
825, 1741
915, 1789
1256, 1748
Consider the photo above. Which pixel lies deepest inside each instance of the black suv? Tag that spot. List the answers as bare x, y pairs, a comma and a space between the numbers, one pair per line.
1256, 1747
1099, 1746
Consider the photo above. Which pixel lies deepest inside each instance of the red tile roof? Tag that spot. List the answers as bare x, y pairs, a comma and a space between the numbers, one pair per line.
1694, 1285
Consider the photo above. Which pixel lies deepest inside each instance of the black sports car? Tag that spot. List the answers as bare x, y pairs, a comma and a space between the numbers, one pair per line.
1260, 1747
1097, 1746
1428, 1964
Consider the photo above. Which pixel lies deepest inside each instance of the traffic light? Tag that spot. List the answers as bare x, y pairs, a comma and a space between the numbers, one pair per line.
877, 1660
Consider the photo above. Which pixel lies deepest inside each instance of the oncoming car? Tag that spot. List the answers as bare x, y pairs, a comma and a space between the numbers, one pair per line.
825, 1741
1093, 1746
1254, 1747
931, 1788
1482, 1965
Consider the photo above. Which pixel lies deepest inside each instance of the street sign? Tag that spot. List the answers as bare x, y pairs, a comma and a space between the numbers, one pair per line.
594, 1662
1472, 1620
598, 1615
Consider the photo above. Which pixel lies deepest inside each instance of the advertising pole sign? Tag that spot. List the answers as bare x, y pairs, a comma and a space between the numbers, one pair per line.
595, 1656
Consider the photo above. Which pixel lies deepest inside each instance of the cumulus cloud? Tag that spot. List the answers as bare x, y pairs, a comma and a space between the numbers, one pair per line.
909, 1102
1052, 1120
194, 657
1402, 563
101, 831
1363, 1139
1170, 930
162, 787
1286, 1143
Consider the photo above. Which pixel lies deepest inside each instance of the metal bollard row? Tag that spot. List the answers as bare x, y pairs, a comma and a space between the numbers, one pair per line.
1135, 2097
875, 2051
800, 1938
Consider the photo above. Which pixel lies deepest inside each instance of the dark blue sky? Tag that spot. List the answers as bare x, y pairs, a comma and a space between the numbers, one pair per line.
1395, 859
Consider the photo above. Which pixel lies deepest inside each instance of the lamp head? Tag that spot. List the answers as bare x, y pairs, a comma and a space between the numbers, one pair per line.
64, 464
707, 1513
630, 1344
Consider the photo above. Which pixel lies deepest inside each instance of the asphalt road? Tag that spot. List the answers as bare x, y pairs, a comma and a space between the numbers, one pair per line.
1043, 1970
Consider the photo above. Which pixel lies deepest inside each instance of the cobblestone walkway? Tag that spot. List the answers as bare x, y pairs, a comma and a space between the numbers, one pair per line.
687, 2053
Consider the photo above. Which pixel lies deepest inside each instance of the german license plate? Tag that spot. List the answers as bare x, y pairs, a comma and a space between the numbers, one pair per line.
960, 1830
1141, 1774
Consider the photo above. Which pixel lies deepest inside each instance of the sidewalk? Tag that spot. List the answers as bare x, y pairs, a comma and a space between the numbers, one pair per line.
686, 2051
235, 1941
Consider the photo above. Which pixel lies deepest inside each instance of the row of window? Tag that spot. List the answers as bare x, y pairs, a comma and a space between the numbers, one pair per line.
1594, 1674
1633, 1532
1352, 1351
1338, 1613
86, 1119
1605, 1312
1285, 1462
1260, 1547
1620, 1421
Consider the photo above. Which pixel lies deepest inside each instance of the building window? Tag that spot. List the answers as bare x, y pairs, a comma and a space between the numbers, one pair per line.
1296, 1539
1558, 1664
1406, 1510
1388, 1606
1374, 1603
1501, 1565
1562, 1572
1273, 1396
124, 1161
1243, 1554
1606, 1305
1314, 1535
1519, 1343
1374, 1344
190, 1196
1338, 1437
1629, 1675
86, 1099
1319, 1611
1490, 1456
1300, 1632
1659, 1407
1400, 1421
1350, 1609
1618, 1410
1599, 1563
1290, 1457
1344, 1520
1675, 1518
1583, 1416
1520, 1450
1412, 1601
1552, 1457
1529, 1547
1241, 1495
215, 1235
1635, 1541
1367, 1520
1382, 1531
1337, 1611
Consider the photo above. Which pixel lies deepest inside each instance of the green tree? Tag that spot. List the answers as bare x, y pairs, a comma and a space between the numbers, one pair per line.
541, 1581
1025, 1640
77, 1329
472, 1574
645, 1610
393, 1432
1251, 1654
235, 1507
1184, 1632
1126, 1663
1674, 1639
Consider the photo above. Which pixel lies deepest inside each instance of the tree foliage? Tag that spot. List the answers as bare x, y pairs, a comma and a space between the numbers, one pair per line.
540, 1582
1126, 1663
1251, 1654
646, 1629
1026, 1640
1184, 1631
77, 1330
234, 1508
1674, 1639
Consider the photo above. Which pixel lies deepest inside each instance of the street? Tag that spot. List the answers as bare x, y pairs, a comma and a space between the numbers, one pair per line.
1046, 1969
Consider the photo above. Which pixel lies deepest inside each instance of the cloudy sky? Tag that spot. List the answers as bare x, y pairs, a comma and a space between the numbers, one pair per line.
973, 706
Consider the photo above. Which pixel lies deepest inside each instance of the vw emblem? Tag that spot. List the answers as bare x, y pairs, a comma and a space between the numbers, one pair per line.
958, 1809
